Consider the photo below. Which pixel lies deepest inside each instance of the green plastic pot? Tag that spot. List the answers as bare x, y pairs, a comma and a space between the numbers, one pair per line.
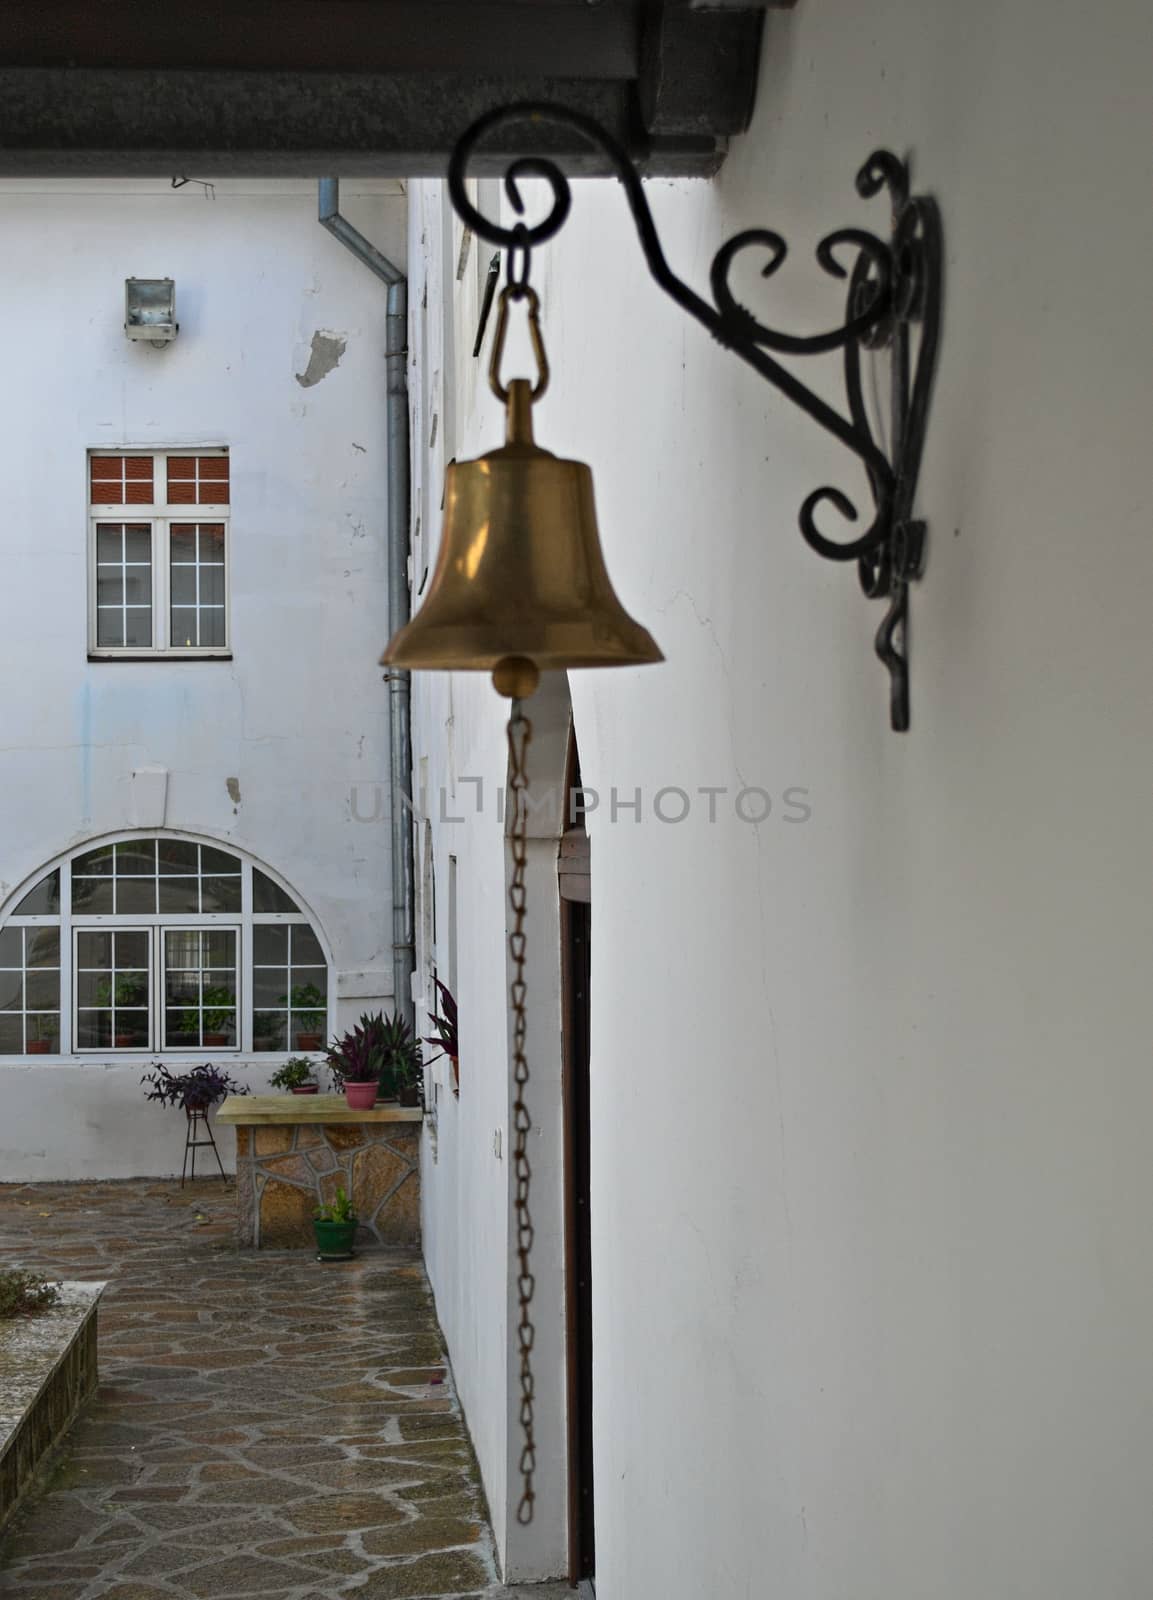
334, 1240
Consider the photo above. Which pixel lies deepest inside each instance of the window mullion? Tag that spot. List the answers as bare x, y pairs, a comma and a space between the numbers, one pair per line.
161, 555
67, 959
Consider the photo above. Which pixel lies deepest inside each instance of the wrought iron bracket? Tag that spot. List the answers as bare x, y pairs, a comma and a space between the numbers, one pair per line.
893, 305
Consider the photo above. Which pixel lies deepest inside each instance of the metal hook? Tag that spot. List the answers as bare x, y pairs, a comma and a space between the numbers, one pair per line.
520, 292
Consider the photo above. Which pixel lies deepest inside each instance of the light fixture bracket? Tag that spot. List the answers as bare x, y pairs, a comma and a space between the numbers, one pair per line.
893, 305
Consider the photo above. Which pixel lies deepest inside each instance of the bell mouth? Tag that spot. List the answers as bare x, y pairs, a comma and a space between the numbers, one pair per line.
550, 647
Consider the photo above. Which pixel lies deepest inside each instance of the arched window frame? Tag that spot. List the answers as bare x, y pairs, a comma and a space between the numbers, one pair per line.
244, 921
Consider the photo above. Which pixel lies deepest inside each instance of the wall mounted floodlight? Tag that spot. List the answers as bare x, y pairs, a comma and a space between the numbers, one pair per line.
150, 310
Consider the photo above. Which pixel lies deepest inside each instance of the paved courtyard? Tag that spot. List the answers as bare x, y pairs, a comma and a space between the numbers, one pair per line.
264, 1426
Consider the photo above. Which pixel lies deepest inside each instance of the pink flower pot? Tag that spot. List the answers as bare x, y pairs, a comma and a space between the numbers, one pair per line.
360, 1096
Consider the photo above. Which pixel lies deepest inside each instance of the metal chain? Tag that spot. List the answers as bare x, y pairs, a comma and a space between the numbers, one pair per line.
519, 738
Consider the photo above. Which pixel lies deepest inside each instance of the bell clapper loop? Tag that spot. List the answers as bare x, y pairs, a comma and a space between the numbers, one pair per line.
518, 291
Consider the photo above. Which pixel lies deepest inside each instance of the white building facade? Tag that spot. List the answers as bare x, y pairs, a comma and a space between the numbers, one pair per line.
868, 1091
195, 858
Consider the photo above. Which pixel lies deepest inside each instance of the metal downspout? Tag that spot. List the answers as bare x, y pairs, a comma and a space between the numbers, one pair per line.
399, 709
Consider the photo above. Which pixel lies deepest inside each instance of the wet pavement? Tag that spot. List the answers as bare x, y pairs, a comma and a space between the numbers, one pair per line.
265, 1425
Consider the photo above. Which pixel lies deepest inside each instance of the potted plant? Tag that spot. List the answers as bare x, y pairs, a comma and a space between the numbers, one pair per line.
296, 1076
124, 993
265, 1030
444, 1035
196, 1090
311, 1014
219, 1014
402, 1059
335, 1227
41, 1032
355, 1062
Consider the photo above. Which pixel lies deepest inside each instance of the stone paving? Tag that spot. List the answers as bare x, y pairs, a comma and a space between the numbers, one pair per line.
265, 1425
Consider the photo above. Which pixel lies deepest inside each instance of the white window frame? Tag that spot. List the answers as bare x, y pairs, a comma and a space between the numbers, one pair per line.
159, 517
241, 922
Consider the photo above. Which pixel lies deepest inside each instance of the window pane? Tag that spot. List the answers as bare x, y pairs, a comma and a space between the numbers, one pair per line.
269, 1031
182, 988
183, 586
45, 1029
130, 1030
42, 991
181, 1029
43, 945
306, 951
181, 948
136, 857
270, 986
94, 949
11, 991
109, 586
94, 1030
136, 896
12, 947
94, 863
211, 544
131, 950
183, 546
92, 895
211, 586
131, 989
220, 894
109, 544
185, 635
109, 628
11, 1035
218, 861
92, 989
178, 855
267, 896
212, 628
219, 948
309, 987
137, 586
43, 900
179, 896
270, 944
138, 545
138, 627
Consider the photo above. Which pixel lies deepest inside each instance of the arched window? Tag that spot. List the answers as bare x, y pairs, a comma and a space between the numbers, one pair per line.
159, 945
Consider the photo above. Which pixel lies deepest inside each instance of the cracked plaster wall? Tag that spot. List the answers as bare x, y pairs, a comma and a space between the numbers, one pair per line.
266, 750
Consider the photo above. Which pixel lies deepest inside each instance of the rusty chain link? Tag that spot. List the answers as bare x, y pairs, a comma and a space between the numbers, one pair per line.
519, 738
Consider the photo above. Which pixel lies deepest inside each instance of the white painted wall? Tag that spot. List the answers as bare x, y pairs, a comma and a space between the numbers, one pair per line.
298, 717
871, 1092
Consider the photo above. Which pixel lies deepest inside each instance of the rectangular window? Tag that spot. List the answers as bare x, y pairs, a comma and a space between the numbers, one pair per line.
159, 583
113, 989
200, 988
289, 987
29, 991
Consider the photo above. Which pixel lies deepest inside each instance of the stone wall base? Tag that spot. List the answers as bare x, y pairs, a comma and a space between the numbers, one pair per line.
283, 1173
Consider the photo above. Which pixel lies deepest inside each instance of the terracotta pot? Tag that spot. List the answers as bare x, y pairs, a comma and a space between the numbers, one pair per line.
124, 1041
304, 1088
360, 1096
264, 1044
216, 1038
308, 1041
39, 1047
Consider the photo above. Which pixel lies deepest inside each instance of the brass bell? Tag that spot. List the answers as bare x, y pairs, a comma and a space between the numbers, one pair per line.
520, 585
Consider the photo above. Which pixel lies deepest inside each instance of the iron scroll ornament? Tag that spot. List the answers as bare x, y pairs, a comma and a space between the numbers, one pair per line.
894, 287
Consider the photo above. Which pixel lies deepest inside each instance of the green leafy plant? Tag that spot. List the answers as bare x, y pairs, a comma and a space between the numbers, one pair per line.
219, 1009
310, 1007
294, 1074
24, 1294
266, 1025
379, 1048
340, 1210
125, 992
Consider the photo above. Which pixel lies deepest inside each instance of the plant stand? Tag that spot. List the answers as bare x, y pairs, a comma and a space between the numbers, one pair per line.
198, 1122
